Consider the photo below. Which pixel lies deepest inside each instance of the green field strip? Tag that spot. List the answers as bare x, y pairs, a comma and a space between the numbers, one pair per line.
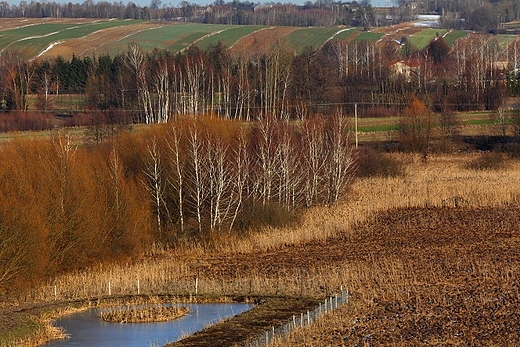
369, 36
14, 35
505, 39
33, 47
172, 37
423, 39
486, 121
378, 128
454, 35
229, 36
310, 37
185, 42
346, 33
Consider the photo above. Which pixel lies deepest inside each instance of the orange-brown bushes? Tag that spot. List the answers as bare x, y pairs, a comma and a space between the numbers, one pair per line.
487, 161
63, 210
23, 121
186, 180
370, 162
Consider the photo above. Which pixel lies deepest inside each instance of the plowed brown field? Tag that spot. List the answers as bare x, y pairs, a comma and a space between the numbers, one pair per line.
261, 41
418, 276
441, 276
94, 44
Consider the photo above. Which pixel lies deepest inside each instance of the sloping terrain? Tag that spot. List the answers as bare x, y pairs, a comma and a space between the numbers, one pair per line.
96, 43
424, 276
50, 37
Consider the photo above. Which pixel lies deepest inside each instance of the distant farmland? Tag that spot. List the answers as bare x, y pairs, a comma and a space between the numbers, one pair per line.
47, 38
52, 37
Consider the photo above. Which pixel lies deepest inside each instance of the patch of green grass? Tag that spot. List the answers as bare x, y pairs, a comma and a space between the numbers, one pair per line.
228, 36
454, 35
15, 327
171, 37
423, 39
505, 39
378, 128
33, 39
369, 36
344, 34
478, 122
310, 37
13, 35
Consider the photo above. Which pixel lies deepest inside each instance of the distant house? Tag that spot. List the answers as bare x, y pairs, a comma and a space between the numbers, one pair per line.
408, 69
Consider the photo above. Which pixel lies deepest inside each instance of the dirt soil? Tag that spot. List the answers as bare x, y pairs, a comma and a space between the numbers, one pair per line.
460, 287
433, 276
261, 41
94, 44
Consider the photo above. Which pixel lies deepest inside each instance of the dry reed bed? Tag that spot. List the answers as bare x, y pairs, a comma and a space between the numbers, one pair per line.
435, 183
394, 288
142, 314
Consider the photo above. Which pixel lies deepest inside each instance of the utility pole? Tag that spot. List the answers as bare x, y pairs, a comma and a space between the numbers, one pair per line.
355, 123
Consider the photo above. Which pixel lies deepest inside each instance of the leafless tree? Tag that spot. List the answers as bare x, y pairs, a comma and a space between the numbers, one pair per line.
220, 175
135, 60
267, 157
176, 178
162, 90
340, 162
242, 172
314, 156
153, 171
198, 187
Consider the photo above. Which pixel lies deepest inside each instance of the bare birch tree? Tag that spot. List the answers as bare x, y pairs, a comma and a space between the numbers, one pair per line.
135, 60
162, 90
177, 176
221, 196
267, 152
198, 187
340, 163
314, 156
242, 172
153, 171
289, 170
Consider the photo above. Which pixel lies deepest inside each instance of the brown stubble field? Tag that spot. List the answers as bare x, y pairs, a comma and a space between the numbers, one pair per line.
436, 261
430, 258
96, 43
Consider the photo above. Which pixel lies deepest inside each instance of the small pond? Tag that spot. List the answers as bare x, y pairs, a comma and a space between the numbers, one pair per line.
86, 329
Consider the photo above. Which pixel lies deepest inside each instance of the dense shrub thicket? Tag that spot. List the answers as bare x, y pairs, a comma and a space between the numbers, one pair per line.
64, 206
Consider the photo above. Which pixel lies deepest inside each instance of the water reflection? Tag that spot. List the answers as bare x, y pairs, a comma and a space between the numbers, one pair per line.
86, 329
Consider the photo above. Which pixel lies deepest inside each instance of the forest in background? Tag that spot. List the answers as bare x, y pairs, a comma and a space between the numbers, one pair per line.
475, 73
461, 14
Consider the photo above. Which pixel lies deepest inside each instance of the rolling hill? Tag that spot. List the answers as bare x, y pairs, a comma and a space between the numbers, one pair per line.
47, 38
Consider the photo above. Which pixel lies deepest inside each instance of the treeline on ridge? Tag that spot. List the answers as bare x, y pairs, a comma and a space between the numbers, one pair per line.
65, 207
153, 87
460, 14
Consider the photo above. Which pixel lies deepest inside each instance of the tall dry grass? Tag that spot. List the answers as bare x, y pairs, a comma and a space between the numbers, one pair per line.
443, 180
438, 182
